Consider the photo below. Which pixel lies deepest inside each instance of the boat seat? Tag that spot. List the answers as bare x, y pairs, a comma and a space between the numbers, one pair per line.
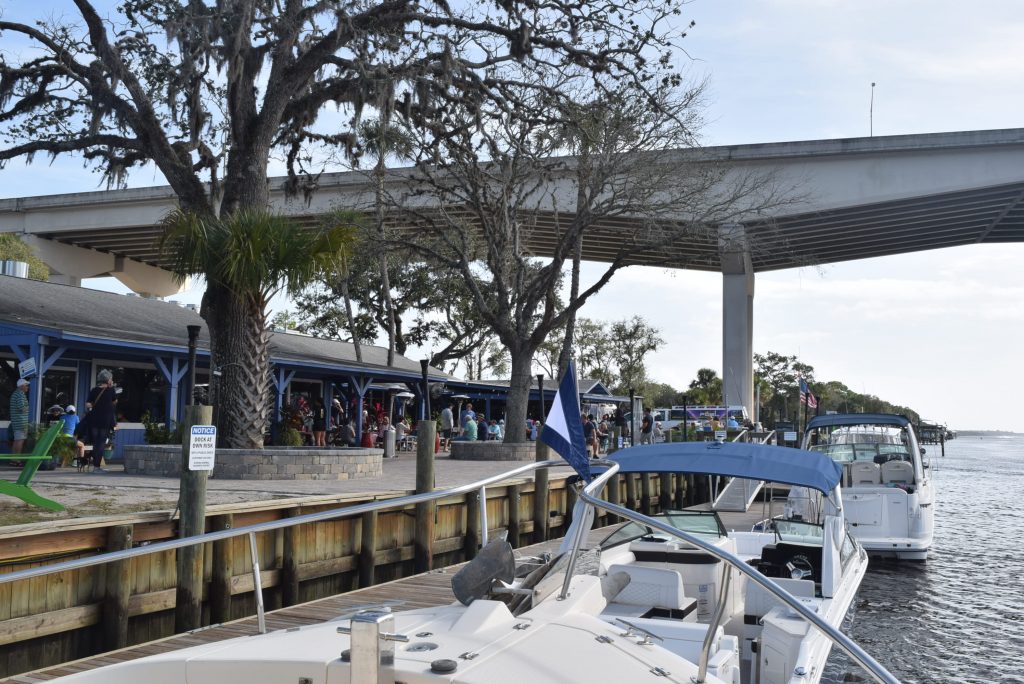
899, 472
653, 587
865, 472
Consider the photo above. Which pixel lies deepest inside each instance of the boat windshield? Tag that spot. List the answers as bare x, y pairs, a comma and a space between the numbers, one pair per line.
848, 453
703, 523
799, 532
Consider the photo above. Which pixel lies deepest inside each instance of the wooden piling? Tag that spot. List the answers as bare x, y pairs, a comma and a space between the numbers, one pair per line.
221, 571
665, 495
118, 589
631, 492
368, 550
471, 541
541, 489
645, 493
188, 611
615, 497
514, 521
424, 536
291, 548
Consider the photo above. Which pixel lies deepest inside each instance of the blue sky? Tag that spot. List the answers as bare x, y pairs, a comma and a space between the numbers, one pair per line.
939, 331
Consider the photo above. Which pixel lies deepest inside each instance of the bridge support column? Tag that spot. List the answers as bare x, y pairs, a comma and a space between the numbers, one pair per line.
737, 317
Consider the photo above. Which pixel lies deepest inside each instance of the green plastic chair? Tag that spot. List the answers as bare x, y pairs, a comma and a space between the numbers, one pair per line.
21, 488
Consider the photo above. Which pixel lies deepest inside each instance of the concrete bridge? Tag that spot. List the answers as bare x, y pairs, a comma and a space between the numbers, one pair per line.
859, 198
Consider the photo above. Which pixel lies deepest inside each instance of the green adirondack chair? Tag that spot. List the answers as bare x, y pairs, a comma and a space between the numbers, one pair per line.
22, 489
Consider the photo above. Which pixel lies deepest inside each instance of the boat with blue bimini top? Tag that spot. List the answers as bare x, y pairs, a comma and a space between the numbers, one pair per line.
674, 597
887, 482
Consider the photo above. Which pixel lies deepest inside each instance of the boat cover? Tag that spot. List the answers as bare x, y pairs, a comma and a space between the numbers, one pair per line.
841, 419
784, 465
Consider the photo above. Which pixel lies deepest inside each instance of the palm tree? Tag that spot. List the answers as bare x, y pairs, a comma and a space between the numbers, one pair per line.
247, 258
381, 140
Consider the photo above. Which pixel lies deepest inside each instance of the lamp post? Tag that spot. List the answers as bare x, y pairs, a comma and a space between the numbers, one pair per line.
686, 414
540, 390
423, 542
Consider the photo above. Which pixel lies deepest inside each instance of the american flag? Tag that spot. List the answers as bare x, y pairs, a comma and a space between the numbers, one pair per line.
812, 401
804, 391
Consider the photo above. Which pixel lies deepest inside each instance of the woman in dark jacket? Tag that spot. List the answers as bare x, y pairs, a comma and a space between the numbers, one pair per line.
101, 418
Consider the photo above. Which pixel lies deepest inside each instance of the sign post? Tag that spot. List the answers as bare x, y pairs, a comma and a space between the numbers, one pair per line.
199, 439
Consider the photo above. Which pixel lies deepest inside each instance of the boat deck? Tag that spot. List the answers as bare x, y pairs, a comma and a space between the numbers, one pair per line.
419, 591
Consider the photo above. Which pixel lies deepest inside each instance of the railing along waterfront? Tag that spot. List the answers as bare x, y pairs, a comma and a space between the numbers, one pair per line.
252, 530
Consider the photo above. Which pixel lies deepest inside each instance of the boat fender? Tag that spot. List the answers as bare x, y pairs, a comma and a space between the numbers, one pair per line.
443, 666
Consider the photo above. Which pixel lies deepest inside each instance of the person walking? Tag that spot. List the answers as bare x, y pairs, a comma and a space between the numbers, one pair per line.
647, 428
447, 425
101, 417
19, 416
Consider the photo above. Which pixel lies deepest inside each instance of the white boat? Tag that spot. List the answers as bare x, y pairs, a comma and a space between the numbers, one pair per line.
888, 490
670, 598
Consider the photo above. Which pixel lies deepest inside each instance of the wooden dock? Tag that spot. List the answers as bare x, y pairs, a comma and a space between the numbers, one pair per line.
418, 591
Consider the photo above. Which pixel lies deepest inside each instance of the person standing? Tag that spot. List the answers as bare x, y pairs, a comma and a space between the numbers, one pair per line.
447, 425
19, 416
319, 423
101, 418
647, 428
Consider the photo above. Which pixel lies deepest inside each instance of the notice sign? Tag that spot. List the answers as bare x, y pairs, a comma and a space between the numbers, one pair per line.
720, 435
27, 368
789, 436
202, 444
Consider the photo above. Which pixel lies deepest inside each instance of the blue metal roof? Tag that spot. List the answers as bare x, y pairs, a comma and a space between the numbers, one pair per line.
734, 459
845, 419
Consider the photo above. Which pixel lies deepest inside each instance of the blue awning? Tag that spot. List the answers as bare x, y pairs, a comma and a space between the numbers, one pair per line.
847, 419
734, 459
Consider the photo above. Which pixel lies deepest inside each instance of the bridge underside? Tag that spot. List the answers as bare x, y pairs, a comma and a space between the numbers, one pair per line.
992, 214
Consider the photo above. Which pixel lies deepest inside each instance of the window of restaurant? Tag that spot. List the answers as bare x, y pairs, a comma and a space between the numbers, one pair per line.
59, 385
143, 389
8, 376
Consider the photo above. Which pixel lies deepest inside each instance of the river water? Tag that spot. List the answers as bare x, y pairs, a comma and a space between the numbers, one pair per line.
959, 616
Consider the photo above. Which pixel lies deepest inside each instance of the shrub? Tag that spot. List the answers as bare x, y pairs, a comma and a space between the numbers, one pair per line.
161, 433
288, 436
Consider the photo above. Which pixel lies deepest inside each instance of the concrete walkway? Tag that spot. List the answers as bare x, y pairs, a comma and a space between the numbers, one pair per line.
114, 491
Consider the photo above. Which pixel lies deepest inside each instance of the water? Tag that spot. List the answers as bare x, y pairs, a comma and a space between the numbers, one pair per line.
959, 617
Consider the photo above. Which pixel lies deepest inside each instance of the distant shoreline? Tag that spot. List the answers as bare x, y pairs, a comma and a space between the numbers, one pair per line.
986, 433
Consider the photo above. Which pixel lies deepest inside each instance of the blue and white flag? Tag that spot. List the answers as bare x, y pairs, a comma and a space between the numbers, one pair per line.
563, 429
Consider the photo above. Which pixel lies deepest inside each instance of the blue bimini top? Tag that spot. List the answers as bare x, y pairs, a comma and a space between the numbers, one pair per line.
734, 459
850, 419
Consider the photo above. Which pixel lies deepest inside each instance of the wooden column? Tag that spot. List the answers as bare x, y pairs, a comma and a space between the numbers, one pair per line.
514, 522
221, 571
368, 550
473, 535
540, 495
424, 538
680, 490
292, 543
117, 591
188, 612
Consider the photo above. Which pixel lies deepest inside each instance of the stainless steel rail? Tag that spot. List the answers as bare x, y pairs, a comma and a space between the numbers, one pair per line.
403, 501
587, 495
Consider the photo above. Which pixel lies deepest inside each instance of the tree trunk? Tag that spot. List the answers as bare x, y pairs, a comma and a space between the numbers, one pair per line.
351, 319
385, 282
242, 354
570, 325
518, 397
